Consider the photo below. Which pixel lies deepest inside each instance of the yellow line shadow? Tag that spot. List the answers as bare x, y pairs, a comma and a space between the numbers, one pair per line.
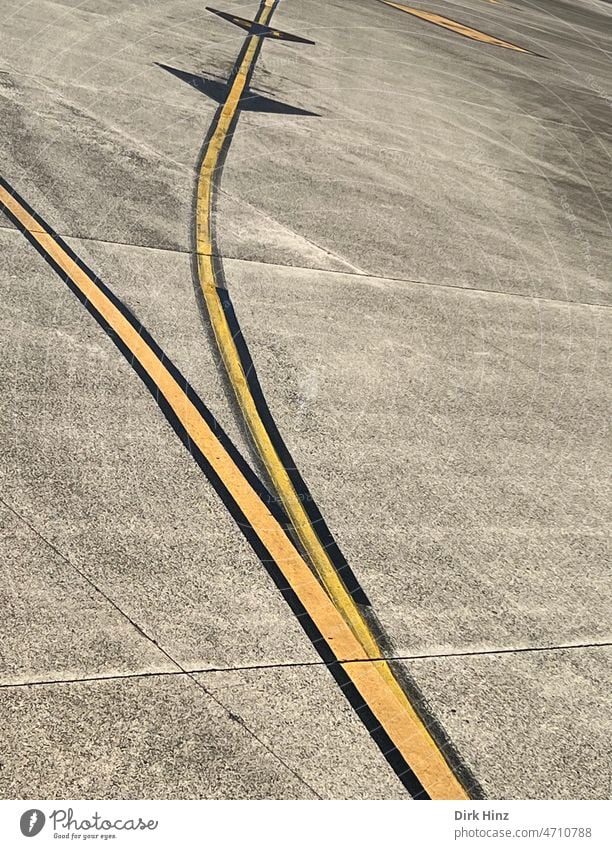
400, 722
455, 26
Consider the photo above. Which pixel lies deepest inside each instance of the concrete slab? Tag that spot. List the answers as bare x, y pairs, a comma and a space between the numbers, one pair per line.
389, 37
456, 443
145, 187
533, 725
134, 738
455, 440
66, 156
75, 75
408, 172
265, 733
100, 118
424, 217
137, 536
300, 713
93, 465
55, 625
435, 219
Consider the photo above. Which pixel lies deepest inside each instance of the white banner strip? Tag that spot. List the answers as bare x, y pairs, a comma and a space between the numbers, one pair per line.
319, 825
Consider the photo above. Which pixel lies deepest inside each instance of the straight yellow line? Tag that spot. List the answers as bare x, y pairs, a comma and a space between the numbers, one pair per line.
402, 725
266, 449
455, 26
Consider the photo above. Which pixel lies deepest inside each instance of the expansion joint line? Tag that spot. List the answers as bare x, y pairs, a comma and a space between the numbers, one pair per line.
305, 519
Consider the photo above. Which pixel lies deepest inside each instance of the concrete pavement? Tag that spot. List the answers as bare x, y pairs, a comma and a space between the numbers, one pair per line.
421, 271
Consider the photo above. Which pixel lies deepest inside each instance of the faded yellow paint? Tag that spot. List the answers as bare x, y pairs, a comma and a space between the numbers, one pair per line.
455, 26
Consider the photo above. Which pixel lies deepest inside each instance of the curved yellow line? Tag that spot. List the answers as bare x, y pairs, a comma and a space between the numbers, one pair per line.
229, 352
281, 481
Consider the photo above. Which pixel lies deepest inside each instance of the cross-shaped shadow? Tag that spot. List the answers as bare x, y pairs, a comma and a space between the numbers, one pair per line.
250, 102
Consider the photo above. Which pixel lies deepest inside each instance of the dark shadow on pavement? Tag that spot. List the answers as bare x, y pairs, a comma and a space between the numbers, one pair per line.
250, 102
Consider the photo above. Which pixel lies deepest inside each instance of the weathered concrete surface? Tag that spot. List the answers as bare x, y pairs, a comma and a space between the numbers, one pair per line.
453, 429
289, 710
268, 733
119, 559
107, 740
93, 466
537, 721
437, 158
465, 448
56, 624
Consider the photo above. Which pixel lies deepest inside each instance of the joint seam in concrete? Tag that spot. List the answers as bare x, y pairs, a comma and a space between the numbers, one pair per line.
262, 667
180, 670
316, 269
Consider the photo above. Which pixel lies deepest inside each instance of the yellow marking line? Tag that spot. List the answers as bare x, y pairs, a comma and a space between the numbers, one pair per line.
461, 29
231, 358
402, 724
280, 479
